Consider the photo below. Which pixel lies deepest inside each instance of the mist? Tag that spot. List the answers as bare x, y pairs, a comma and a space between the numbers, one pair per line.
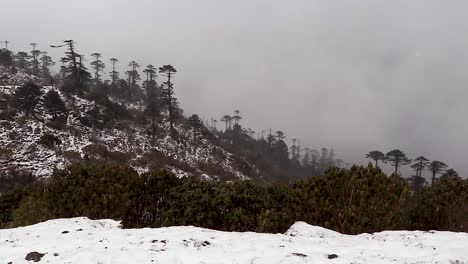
355, 75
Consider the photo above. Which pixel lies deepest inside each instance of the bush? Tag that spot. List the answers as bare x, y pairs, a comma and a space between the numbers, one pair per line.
441, 207
356, 200
49, 140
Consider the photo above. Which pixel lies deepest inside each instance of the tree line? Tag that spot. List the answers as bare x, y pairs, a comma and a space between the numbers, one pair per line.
397, 158
75, 79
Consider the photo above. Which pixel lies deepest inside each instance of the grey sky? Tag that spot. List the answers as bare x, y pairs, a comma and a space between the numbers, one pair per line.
356, 75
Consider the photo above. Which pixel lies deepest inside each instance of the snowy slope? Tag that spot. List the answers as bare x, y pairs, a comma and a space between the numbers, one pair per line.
22, 137
81, 240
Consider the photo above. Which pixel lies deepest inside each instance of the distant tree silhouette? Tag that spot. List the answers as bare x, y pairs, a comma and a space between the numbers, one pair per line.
133, 75
226, 119
98, 66
35, 62
6, 58
419, 165
78, 74
114, 74
450, 173
46, 63
436, 167
22, 60
376, 156
153, 111
397, 159
168, 93
236, 117
196, 124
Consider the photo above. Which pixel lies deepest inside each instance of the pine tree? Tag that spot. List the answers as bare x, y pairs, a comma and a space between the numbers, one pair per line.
27, 97
46, 63
153, 111
6, 58
98, 66
22, 60
35, 62
436, 167
168, 93
196, 124
54, 105
376, 156
397, 159
114, 74
419, 165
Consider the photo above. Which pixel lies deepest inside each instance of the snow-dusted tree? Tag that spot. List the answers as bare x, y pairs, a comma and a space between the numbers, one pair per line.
54, 105
27, 97
168, 93
98, 66
196, 124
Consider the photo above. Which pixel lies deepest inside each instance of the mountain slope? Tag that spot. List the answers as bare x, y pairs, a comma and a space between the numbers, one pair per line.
37, 145
80, 240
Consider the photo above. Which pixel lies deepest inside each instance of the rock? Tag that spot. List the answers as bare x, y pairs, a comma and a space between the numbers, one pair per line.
34, 256
206, 243
300, 255
332, 256
65, 232
55, 254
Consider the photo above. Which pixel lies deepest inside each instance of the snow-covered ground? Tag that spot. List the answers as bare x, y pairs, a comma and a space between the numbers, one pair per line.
80, 240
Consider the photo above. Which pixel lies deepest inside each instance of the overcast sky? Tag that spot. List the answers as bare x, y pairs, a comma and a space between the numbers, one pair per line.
355, 75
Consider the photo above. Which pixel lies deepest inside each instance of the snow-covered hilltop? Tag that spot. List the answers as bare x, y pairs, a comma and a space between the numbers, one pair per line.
35, 144
80, 240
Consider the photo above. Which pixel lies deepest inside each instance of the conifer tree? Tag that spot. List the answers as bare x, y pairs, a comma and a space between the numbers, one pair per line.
22, 60
168, 93
419, 165
78, 72
226, 119
153, 111
376, 156
27, 97
6, 57
436, 167
98, 66
114, 74
35, 62
54, 105
397, 159
46, 63
196, 124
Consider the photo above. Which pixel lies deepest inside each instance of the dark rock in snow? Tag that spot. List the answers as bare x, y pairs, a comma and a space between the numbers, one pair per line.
34, 256
65, 232
332, 256
206, 243
300, 255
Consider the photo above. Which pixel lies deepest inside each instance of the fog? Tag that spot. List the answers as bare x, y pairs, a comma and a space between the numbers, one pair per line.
355, 75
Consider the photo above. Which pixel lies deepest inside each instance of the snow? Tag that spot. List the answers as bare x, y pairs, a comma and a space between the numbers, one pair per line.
28, 155
80, 240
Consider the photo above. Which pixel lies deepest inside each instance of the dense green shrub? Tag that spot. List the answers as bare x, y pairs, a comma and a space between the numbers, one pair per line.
356, 200
441, 207
353, 201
